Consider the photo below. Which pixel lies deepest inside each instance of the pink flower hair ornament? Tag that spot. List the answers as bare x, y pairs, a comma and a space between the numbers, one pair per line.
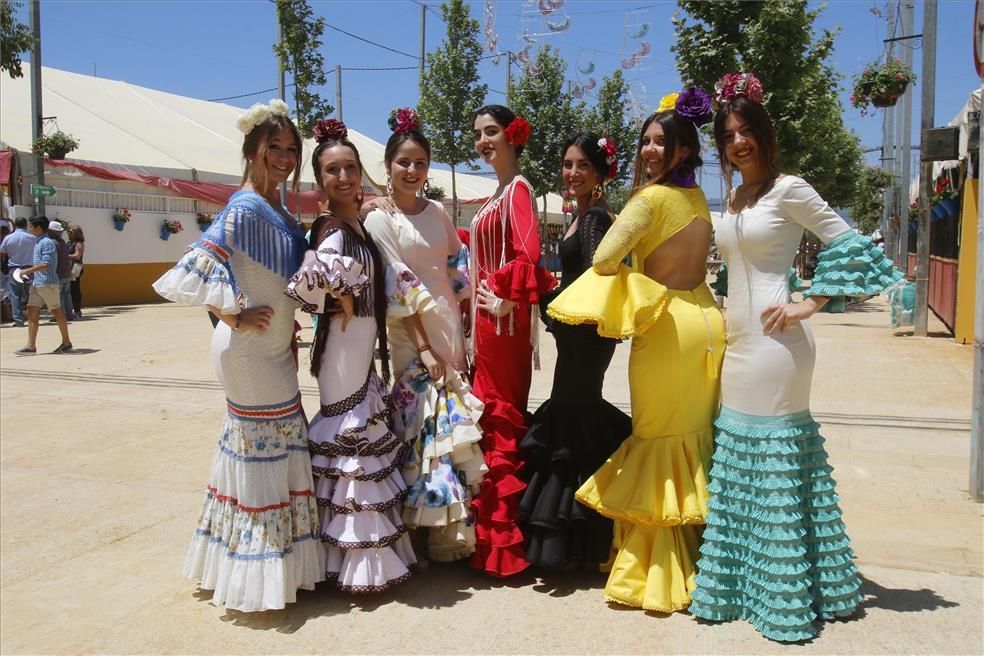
404, 120
329, 130
518, 131
732, 85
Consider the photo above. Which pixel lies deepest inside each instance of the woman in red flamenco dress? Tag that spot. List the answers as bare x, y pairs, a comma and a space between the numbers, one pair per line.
508, 284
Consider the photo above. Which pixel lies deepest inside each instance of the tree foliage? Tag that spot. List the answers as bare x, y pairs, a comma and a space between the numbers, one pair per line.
610, 117
776, 40
15, 38
544, 102
451, 91
299, 53
868, 198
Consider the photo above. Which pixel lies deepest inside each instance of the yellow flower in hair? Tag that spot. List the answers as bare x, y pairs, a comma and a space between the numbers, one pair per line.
668, 102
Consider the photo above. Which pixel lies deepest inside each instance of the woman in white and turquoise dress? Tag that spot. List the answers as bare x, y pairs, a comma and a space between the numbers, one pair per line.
257, 538
775, 550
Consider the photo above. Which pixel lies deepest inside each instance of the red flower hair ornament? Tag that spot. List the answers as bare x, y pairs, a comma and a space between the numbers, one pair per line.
404, 120
518, 131
329, 130
611, 155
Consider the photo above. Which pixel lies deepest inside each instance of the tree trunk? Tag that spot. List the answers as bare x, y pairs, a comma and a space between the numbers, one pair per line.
454, 199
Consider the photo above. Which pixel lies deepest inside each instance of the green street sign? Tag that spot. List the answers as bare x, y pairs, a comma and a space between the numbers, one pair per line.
42, 190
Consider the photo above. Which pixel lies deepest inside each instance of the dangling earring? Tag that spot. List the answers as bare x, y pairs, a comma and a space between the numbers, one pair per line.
389, 186
427, 187
597, 192
568, 206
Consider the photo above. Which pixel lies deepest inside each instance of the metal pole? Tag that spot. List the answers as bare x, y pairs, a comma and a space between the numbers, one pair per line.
508, 74
338, 91
423, 48
928, 118
977, 427
282, 91
37, 122
908, 23
888, 152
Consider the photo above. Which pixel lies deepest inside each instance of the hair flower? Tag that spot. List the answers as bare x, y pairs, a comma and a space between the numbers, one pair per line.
259, 113
695, 105
403, 120
518, 131
329, 129
667, 102
608, 147
732, 85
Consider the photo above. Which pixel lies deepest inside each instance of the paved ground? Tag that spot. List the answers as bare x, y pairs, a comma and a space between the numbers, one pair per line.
104, 452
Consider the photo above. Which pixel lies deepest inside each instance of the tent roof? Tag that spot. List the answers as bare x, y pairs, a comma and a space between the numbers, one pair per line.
154, 132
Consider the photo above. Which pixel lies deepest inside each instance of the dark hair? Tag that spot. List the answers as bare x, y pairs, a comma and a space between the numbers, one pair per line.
75, 232
397, 139
255, 146
501, 115
759, 124
588, 142
20, 222
678, 132
40, 221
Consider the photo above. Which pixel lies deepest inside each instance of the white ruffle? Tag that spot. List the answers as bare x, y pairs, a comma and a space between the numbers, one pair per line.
406, 294
199, 279
345, 276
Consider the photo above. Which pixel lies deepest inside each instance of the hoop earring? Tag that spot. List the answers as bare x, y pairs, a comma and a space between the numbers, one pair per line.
389, 186
427, 187
597, 192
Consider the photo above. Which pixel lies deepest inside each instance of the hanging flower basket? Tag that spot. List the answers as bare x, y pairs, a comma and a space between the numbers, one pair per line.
204, 220
121, 217
55, 145
170, 227
881, 85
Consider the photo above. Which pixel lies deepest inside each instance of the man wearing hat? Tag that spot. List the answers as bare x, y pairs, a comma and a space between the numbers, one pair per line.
45, 288
55, 230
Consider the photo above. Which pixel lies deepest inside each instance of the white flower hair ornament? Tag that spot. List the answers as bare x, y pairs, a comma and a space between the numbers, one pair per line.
259, 112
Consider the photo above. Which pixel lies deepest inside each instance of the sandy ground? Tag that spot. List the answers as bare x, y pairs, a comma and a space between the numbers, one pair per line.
104, 453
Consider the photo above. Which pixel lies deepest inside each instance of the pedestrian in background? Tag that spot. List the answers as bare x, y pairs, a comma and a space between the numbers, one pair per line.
76, 252
55, 232
17, 251
45, 288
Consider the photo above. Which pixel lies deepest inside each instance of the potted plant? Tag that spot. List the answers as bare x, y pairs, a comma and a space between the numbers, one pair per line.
880, 85
945, 197
170, 227
204, 220
55, 145
120, 218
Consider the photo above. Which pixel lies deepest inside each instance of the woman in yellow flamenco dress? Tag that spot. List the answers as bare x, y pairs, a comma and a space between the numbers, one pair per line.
655, 485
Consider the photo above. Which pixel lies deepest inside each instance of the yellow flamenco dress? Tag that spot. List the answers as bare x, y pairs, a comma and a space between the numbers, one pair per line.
655, 485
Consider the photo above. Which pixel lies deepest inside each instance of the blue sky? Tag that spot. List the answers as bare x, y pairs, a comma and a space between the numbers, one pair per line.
214, 49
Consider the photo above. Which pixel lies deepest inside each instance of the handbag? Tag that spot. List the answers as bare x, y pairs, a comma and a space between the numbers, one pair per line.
76, 270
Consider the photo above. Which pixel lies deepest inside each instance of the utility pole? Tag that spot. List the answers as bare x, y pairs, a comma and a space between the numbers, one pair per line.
508, 74
423, 49
908, 26
282, 91
338, 91
977, 426
37, 122
888, 154
928, 118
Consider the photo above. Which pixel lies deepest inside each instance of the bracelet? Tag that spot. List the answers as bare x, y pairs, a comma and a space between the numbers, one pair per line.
425, 347
239, 320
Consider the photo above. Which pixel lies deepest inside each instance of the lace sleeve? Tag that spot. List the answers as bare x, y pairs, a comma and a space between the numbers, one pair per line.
591, 230
630, 226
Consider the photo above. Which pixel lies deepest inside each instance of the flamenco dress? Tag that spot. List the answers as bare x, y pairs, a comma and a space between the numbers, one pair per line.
355, 455
655, 485
776, 551
427, 276
257, 536
574, 432
505, 245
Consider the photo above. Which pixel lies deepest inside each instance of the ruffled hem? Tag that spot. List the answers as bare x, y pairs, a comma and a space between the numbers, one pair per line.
372, 569
775, 550
345, 276
654, 568
675, 468
199, 279
499, 542
622, 305
522, 282
564, 449
852, 266
406, 295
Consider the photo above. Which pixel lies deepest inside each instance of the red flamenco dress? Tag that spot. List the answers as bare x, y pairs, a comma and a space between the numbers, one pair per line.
505, 245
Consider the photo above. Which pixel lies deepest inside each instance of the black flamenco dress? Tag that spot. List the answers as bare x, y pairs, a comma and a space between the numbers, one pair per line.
574, 432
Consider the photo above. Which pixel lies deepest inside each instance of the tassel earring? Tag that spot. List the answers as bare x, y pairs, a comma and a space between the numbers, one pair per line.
597, 192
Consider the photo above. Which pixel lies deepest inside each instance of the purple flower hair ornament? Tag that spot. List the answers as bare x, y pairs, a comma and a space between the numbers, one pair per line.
694, 105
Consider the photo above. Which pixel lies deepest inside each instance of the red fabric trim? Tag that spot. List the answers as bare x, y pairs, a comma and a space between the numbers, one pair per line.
266, 413
6, 157
210, 192
294, 493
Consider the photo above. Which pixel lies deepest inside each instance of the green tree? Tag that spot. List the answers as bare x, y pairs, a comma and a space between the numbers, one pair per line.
776, 40
543, 101
299, 54
610, 117
868, 198
451, 92
15, 38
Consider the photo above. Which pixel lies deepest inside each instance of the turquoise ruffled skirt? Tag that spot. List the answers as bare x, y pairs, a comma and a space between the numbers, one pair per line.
775, 550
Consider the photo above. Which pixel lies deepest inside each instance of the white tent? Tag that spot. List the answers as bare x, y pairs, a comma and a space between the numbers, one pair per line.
156, 133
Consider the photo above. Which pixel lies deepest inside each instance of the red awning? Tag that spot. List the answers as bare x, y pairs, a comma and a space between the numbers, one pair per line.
6, 160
